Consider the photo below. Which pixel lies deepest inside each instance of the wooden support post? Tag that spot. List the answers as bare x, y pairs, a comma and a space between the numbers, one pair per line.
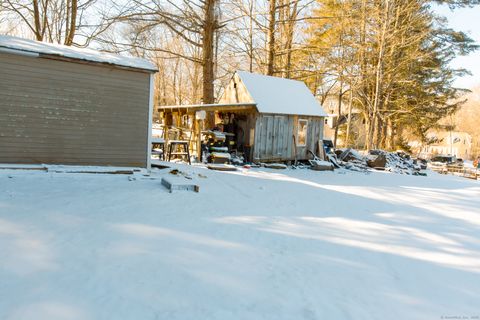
199, 139
321, 151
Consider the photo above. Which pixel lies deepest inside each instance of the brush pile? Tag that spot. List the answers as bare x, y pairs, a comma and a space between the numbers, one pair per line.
398, 162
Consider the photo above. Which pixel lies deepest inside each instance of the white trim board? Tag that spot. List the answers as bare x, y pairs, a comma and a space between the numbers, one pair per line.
150, 120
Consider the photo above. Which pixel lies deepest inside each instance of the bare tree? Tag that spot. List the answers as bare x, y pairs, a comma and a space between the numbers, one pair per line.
58, 21
195, 23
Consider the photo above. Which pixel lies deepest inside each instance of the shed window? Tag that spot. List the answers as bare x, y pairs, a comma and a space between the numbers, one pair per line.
302, 132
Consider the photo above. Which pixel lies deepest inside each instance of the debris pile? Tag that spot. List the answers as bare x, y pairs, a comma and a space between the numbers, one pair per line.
397, 162
352, 160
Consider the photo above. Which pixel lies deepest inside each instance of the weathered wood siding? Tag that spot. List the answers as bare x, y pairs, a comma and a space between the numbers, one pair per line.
273, 134
235, 92
274, 138
314, 135
68, 113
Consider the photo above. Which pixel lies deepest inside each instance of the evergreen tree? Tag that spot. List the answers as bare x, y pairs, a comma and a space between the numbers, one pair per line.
394, 55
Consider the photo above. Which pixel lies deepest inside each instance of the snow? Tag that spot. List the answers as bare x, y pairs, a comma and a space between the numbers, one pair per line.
281, 96
252, 244
468, 164
26, 45
323, 163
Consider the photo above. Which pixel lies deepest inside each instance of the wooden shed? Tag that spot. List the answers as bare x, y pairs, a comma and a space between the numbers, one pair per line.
65, 105
273, 119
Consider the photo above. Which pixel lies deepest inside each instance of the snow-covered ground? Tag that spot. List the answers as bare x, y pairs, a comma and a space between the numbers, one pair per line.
255, 244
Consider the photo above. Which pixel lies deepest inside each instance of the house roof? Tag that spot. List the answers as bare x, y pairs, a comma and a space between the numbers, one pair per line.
17, 45
281, 96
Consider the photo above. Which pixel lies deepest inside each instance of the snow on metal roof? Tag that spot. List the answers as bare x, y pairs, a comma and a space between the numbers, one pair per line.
281, 96
32, 46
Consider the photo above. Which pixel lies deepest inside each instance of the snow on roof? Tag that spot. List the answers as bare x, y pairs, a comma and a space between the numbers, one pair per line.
281, 96
25, 45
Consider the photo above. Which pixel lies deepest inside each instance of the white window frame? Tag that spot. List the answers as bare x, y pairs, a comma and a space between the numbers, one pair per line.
298, 132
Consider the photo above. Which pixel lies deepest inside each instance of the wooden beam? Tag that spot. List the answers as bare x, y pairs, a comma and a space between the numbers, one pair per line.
210, 107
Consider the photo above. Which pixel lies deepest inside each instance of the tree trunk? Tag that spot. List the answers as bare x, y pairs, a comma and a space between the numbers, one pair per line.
379, 74
292, 18
208, 42
36, 17
72, 28
271, 37
250, 37
391, 135
382, 138
377, 127
363, 74
196, 83
339, 112
349, 119
368, 125
208, 51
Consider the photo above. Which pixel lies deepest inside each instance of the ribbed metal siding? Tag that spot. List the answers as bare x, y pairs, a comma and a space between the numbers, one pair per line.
69, 113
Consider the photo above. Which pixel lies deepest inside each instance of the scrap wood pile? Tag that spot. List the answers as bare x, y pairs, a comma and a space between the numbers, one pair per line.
351, 159
397, 162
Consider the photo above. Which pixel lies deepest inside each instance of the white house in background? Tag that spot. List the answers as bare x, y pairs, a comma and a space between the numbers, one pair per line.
357, 126
454, 143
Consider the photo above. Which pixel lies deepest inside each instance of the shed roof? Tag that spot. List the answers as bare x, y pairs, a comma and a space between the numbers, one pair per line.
281, 96
83, 54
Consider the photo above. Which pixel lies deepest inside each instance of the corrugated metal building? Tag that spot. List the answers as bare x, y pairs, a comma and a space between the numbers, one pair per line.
65, 105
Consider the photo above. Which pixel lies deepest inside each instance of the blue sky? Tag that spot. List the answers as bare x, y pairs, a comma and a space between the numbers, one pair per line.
468, 20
